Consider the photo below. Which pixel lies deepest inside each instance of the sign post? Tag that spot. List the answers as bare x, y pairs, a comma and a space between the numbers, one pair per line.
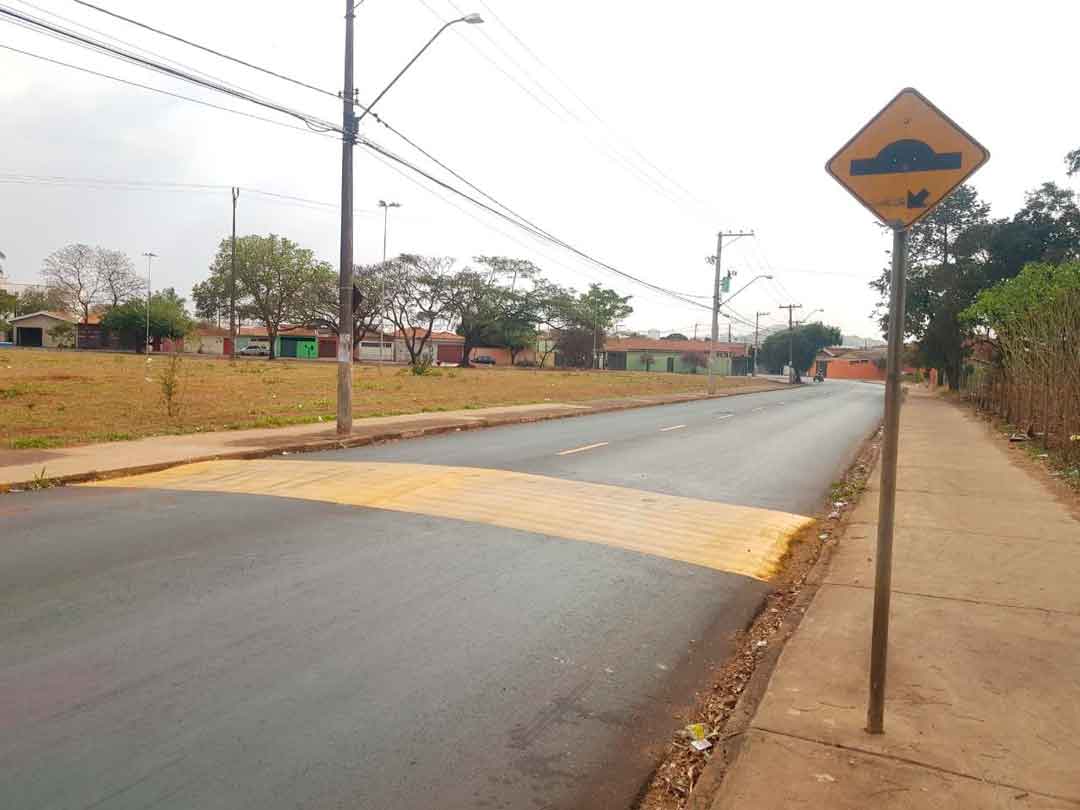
901, 166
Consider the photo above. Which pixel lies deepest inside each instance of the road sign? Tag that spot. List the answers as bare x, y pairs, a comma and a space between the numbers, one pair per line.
906, 160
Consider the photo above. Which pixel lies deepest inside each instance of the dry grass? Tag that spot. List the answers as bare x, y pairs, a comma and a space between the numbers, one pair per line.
52, 399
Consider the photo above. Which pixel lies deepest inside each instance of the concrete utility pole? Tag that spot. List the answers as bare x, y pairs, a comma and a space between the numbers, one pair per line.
149, 256
757, 323
345, 279
790, 339
716, 299
232, 280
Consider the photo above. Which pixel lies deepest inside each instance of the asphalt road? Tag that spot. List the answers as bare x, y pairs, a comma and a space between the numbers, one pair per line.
248, 645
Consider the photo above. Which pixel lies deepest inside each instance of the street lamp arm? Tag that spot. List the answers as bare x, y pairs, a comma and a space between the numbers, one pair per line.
469, 18
744, 286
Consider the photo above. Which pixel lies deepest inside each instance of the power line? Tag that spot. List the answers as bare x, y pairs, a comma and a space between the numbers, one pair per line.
208, 49
608, 153
536, 58
156, 89
310, 121
116, 39
533, 230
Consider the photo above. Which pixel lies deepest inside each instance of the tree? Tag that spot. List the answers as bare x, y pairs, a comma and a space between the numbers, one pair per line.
41, 299
8, 304
271, 274
805, 341
319, 307
574, 347
116, 275
73, 271
420, 293
211, 297
63, 335
1072, 162
168, 318
480, 304
676, 336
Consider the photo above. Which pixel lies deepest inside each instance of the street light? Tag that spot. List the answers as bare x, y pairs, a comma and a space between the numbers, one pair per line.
149, 256
807, 318
471, 19
385, 206
349, 124
744, 286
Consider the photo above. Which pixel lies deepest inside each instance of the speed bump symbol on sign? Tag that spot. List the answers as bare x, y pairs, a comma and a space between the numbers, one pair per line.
906, 160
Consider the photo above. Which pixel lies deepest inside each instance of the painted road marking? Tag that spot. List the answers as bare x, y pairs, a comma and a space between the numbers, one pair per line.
582, 449
673, 427
726, 415
739, 539
759, 408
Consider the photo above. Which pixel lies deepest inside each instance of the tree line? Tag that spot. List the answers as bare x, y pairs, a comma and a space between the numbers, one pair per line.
495, 301
959, 250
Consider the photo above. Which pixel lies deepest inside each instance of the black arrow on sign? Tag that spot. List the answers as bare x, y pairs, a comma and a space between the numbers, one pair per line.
917, 200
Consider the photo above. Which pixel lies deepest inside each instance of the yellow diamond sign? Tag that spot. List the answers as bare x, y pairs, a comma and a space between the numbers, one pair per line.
906, 160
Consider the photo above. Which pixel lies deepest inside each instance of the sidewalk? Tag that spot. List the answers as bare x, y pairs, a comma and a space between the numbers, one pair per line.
983, 689
19, 468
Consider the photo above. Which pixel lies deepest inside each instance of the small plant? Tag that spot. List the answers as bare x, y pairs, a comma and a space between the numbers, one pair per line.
170, 384
421, 367
41, 481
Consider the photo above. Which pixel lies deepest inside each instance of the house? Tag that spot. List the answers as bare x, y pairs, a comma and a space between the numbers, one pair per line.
210, 340
35, 328
442, 347
677, 356
290, 342
841, 363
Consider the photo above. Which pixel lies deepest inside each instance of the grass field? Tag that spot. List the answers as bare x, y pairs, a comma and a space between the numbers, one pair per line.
52, 399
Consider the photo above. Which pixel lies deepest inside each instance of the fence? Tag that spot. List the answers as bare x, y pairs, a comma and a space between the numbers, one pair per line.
1033, 381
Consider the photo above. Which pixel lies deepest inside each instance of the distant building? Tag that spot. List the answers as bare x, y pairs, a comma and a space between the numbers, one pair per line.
676, 356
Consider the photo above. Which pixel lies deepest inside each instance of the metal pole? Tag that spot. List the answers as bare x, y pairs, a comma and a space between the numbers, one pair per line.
149, 255
232, 280
345, 309
879, 643
715, 313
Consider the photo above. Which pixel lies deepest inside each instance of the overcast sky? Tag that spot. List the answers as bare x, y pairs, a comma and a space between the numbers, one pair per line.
632, 130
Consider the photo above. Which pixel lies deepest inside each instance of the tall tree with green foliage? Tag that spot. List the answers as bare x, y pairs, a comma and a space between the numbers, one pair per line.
805, 341
168, 319
272, 273
319, 306
958, 250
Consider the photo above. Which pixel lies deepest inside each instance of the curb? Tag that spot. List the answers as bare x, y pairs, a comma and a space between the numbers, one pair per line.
742, 715
357, 441
746, 707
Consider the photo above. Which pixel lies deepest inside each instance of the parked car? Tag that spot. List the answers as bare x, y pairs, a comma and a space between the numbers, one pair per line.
484, 360
255, 350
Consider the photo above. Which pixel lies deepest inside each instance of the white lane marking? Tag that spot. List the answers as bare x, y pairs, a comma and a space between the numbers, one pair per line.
759, 408
673, 427
726, 415
582, 449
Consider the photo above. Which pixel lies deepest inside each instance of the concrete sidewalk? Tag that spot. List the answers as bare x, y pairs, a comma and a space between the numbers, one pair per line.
983, 691
20, 468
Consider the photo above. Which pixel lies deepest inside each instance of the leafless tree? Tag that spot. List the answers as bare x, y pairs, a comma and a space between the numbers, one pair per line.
73, 271
116, 274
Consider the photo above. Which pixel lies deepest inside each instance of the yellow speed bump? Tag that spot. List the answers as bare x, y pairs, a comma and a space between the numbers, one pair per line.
738, 539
